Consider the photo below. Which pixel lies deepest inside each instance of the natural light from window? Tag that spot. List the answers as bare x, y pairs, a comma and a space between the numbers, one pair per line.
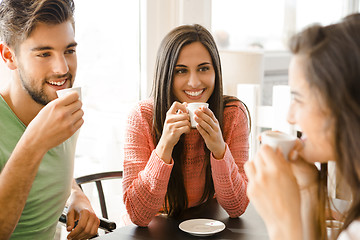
239, 25
108, 72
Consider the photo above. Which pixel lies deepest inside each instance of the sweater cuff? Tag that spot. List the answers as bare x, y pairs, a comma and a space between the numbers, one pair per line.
222, 166
157, 168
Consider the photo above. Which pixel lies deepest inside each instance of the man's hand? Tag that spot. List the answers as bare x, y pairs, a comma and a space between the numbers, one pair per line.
55, 123
80, 210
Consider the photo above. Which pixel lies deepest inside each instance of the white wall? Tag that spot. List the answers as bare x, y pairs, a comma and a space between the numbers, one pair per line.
158, 18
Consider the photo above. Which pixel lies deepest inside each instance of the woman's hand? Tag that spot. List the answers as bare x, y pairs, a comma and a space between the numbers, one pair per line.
306, 173
208, 127
274, 192
177, 122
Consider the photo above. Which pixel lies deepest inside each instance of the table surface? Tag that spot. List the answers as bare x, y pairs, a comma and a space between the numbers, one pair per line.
248, 226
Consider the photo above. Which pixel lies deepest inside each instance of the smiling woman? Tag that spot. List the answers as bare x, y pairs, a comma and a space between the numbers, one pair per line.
324, 80
194, 77
170, 166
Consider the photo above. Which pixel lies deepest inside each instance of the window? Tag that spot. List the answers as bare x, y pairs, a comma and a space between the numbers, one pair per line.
323, 12
108, 51
268, 24
240, 24
244, 25
108, 72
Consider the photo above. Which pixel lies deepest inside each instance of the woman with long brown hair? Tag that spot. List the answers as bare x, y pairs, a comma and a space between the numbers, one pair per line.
168, 165
324, 78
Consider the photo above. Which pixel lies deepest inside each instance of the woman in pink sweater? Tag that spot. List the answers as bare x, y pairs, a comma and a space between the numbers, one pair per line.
168, 165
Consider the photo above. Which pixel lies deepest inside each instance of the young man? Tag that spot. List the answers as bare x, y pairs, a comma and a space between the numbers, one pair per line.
37, 140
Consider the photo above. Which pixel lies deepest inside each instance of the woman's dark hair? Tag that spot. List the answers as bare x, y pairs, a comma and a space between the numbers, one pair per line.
331, 65
176, 198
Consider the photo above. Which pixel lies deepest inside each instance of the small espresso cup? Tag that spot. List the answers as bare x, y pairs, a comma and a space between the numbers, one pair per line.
278, 140
191, 108
64, 92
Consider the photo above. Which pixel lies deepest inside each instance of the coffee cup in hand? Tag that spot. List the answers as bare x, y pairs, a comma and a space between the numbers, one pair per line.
64, 92
279, 140
191, 108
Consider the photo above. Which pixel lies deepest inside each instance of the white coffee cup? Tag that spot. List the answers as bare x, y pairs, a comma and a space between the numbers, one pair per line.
333, 228
66, 91
278, 140
191, 108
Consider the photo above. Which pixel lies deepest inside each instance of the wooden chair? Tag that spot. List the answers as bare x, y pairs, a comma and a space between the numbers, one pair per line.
105, 224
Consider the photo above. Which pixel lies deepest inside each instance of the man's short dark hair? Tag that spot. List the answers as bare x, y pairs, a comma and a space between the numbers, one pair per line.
18, 18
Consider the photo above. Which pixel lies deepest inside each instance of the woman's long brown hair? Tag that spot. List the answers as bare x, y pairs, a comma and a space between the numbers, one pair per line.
332, 68
176, 197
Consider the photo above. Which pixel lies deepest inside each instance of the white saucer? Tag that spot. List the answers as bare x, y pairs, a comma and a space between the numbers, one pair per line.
202, 227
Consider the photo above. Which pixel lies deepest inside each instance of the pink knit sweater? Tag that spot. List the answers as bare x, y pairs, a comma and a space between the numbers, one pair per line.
146, 176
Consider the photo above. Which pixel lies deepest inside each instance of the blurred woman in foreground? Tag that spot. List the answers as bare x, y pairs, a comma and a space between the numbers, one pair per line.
324, 78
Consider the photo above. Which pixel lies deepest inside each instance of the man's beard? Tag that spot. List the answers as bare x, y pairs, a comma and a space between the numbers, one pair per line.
39, 96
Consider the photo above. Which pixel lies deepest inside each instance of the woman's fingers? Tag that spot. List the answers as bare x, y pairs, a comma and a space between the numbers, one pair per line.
208, 127
271, 161
206, 118
250, 170
177, 117
177, 107
296, 151
177, 113
177, 122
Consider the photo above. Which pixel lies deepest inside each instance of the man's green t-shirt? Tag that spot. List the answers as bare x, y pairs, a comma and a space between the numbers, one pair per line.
52, 184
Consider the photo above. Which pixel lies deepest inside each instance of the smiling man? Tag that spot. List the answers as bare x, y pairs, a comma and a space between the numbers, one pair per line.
37, 129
